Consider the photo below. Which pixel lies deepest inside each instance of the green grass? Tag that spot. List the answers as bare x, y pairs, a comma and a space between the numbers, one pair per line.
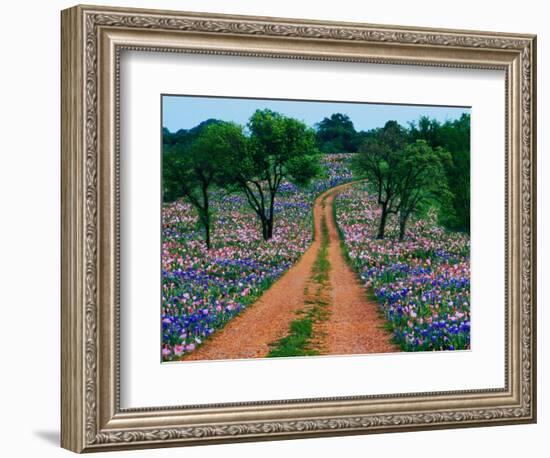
296, 343
322, 264
298, 340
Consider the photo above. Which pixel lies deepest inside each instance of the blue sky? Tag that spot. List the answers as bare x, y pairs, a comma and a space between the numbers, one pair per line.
184, 112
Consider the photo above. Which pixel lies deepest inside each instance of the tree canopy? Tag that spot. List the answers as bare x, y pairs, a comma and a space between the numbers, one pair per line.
453, 136
337, 134
379, 160
410, 169
217, 153
191, 168
406, 173
422, 180
279, 147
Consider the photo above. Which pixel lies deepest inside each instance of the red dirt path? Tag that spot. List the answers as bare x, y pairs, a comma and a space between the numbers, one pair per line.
353, 327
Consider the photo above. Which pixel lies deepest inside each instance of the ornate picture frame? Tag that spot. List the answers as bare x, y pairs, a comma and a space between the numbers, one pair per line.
93, 39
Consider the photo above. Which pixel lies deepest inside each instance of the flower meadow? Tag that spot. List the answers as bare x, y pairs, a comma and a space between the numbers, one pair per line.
203, 289
422, 284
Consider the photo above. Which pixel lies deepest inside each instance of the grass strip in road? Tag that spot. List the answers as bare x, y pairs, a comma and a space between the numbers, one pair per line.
321, 266
296, 343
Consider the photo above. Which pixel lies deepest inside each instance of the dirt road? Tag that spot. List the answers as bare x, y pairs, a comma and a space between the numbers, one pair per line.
352, 326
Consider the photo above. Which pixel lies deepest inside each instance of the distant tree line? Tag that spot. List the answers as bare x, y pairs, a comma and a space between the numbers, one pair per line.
426, 163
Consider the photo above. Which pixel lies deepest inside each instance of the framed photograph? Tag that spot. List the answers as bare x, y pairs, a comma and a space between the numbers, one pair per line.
279, 228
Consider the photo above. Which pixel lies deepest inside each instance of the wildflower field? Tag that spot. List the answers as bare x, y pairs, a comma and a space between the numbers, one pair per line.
422, 284
247, 183
203, 289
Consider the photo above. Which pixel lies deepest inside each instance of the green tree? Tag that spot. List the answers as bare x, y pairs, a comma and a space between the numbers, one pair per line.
453, 136
279, 148
422, 180
183, 138
378, 160
190, 170
337, 134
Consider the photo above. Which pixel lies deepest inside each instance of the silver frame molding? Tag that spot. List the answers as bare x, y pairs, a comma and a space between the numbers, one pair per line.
92, 40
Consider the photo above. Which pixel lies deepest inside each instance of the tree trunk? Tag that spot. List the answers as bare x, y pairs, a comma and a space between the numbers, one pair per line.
382, 226
265, 228
271, 217
269, 229
402, 226
207, 233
